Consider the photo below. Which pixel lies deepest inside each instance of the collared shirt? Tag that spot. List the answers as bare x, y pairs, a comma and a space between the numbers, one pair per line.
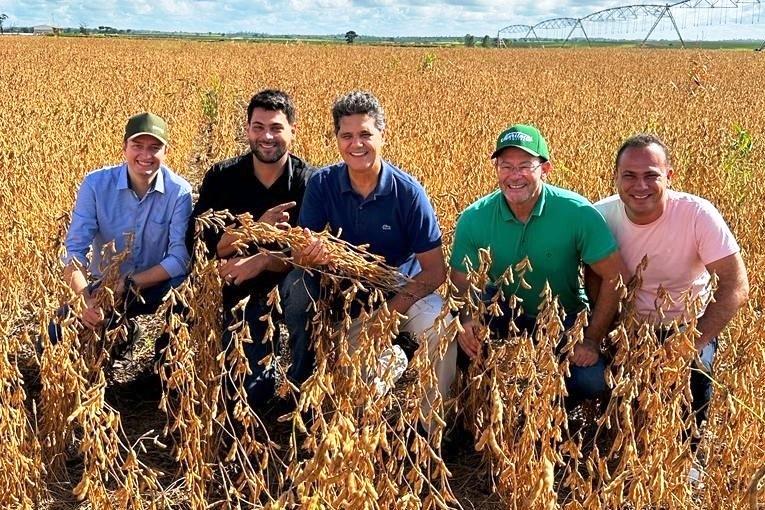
233, 185
107, 210
563, 230
688, 236
396, 220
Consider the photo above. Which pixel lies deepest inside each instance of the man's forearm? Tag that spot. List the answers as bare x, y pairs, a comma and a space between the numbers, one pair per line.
420, 286
460, 281
275, 264
225, 246
76, 279
150, 277
718, 314
603, 312
731, 294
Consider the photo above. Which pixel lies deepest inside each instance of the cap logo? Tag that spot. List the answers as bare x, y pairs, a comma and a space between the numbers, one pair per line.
516, 136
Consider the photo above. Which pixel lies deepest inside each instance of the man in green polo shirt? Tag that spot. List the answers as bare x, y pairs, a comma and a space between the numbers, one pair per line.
556, 230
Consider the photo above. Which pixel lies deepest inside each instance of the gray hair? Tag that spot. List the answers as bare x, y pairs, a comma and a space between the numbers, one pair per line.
358, 102
640, 141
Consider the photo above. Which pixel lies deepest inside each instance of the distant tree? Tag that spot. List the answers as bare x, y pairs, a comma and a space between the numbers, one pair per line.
486, 42
469, 40
84, 30
350, 36
3, 17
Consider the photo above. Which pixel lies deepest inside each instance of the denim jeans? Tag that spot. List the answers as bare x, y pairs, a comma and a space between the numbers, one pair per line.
151, 298
701, 385
583, 383
297, 290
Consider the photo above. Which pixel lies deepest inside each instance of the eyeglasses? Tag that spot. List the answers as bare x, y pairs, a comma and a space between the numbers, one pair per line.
523, 168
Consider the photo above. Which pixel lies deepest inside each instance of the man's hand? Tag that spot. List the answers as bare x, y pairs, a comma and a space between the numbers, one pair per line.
93, 316
469, 339
585, 354
278, 215
237, 270
313, 255
121, 289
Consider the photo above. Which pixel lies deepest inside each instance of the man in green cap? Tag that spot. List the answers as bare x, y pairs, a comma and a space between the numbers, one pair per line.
140, 201
557, 231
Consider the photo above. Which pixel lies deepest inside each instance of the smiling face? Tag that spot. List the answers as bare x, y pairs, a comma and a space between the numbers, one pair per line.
360, 142
269, 134
144, 154
520, 177
642, 179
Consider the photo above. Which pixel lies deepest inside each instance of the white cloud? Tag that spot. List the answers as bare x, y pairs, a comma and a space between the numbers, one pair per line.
367, 17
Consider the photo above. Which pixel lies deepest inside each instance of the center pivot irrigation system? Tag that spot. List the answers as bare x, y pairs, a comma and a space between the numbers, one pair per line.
619, 21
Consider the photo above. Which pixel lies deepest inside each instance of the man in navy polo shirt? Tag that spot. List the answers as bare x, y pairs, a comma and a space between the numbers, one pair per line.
366, 200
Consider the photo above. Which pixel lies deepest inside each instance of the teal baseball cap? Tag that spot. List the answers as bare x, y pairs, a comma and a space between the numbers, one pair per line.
524, 137
146, 124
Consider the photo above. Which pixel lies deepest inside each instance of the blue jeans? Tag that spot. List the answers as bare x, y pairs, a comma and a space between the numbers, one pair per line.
298, 290
701, 385
133, 307
583, 383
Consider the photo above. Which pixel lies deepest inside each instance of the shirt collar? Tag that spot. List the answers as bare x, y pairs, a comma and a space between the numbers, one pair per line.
157, 185
507, 213
384, 180
159, 182
122, 179
289, 172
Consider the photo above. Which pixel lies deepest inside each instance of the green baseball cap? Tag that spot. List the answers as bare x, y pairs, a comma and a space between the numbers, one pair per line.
527, 138
146, 124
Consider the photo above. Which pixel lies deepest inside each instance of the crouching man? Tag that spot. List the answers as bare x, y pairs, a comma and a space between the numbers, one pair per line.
366, 200
141, 200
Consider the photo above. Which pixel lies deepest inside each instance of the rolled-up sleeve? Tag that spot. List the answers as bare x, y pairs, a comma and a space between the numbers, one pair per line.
176, 261
83, 227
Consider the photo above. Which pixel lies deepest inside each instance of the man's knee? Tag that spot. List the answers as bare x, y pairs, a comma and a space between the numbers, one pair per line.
587, 382
423, 314
151, 298
54, 326
298, 291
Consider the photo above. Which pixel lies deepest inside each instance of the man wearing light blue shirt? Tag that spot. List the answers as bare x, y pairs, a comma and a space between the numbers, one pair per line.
140, 201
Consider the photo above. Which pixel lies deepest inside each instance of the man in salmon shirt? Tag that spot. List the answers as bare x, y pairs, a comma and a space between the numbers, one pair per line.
685, 240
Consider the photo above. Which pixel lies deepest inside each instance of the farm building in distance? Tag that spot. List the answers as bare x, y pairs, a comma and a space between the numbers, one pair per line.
45, 30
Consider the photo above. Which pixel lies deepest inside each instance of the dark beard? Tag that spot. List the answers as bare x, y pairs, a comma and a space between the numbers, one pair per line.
280, 151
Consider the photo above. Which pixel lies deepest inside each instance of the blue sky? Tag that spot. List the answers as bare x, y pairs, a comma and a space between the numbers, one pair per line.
370, 17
